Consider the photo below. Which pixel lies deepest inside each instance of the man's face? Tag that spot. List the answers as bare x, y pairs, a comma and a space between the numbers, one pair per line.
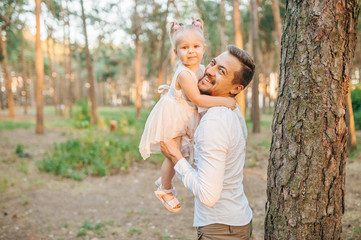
218, 77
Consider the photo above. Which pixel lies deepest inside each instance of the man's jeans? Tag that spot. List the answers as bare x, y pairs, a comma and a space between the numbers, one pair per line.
224, 232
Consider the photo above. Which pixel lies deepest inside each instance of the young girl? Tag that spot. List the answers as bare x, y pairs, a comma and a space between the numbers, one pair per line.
176, 115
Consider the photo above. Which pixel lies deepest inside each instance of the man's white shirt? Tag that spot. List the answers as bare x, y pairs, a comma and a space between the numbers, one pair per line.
219, 156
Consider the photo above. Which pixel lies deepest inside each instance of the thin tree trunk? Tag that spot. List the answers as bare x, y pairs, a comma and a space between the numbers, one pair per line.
350, 120
278, 25
70, 94
50, 65
137, 59
9, 92
306, 170
91, 81
221, 25
1, 99
254, 35
162, 47
238, 42
23, 71
39, 66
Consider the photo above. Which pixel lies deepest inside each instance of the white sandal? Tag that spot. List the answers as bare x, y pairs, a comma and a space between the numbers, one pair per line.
170, 205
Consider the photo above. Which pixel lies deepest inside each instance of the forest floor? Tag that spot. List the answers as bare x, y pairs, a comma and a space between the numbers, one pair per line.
35, 205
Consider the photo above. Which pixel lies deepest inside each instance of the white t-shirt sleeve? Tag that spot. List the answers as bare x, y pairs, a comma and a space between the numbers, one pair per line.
212, 144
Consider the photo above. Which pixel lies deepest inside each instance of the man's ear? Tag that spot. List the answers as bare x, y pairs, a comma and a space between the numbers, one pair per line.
237, 89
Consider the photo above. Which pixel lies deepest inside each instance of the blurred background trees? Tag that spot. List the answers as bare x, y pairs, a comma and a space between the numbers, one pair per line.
116, 53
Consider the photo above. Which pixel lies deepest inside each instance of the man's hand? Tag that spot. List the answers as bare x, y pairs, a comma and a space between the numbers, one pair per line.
171, 149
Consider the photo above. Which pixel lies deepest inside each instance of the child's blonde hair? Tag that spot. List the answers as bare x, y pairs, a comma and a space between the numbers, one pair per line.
175, 29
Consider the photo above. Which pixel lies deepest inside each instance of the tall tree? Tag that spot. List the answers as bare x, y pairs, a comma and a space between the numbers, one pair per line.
277, 23
306, 171
91, 80
137, 58
255, 114
23, 70
50, 66
5, 63
162, 47
350, 121
238, 42
39, 66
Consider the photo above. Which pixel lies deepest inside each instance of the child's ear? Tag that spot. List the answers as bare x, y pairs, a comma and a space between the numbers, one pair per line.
175, 51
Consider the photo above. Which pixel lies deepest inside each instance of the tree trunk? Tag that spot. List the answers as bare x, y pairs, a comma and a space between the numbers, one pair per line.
254, 35
91, 81
278, 25
137, 59
221, 25
162, 53
23, 71
9, 92
70, 94
51, 75
1, 99
306, 171
350, 120
39, 66
238, 42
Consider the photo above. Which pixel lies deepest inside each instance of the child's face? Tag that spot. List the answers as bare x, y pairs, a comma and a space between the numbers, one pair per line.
190, 47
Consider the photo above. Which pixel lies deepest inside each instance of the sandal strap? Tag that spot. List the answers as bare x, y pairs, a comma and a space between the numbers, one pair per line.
173, 202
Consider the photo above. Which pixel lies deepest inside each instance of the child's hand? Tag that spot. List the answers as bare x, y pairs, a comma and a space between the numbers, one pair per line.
230, 102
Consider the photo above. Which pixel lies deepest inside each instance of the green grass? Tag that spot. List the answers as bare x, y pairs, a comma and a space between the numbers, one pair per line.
96, 151
11, 125
97, 227
133, 231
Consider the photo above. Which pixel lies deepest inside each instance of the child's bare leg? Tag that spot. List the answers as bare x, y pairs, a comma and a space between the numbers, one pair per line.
167, 170
167, 173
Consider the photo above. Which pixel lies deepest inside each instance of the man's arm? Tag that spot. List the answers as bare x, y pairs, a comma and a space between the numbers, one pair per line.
206, 182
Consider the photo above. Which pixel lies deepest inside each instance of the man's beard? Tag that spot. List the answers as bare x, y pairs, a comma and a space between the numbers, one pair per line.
200, 90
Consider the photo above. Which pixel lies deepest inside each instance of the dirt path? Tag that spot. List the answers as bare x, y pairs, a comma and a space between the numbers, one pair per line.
35, 205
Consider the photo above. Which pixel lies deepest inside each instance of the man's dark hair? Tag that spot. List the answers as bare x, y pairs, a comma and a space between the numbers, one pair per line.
245, 75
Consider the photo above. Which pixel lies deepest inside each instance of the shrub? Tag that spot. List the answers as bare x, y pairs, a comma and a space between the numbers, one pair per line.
82, 115
96, 152
356, 106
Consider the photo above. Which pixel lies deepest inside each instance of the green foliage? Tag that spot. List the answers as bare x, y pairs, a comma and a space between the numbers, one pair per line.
19, 149
11, 125
96, 152
81, 233
356, 106
133, 231
97, 227
82, 115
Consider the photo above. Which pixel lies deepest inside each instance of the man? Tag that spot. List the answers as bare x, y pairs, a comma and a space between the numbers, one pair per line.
221, 208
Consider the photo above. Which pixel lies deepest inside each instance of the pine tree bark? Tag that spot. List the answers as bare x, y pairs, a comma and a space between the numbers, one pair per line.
162, 47
8, 82
137, 60
350, 121
39, 67
50, 65
306, 171
23, 71
255, 114
278, 24
91, 81
238, 42
221, 25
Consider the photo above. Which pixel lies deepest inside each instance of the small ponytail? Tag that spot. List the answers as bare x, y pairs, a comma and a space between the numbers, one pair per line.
198, 23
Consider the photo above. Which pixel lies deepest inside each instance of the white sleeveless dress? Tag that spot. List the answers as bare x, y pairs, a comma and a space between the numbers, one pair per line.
173, 116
